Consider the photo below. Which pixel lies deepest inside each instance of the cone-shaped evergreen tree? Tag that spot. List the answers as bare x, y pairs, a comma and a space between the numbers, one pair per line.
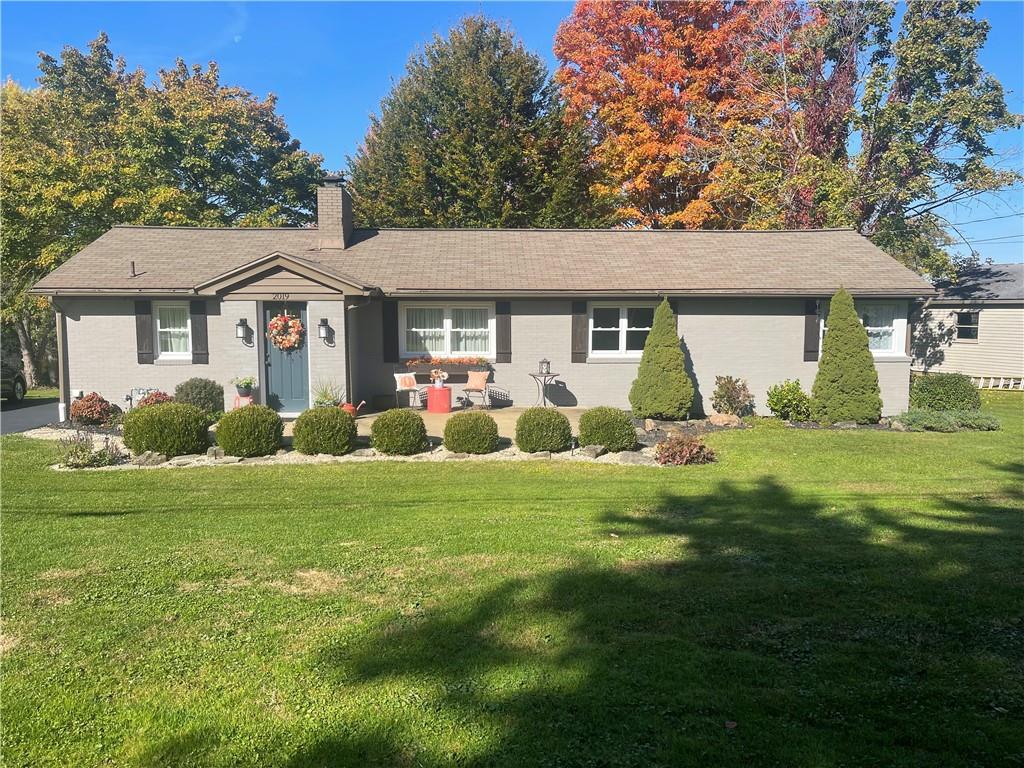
846, 387
662, 390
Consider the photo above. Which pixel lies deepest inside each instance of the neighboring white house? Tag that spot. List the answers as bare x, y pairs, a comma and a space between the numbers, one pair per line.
975, 327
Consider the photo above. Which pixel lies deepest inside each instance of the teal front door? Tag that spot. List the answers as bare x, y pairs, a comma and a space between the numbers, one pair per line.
286, 374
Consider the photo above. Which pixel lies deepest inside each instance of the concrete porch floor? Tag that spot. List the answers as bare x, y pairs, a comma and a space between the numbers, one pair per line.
504, 417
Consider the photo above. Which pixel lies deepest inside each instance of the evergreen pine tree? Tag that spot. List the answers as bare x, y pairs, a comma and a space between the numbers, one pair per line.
662, 390
846, 387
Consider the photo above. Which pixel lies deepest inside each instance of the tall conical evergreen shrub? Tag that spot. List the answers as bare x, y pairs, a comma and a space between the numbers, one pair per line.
662, 390
846, 387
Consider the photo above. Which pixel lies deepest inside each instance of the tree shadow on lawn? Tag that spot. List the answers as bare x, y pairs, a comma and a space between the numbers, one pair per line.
783, 632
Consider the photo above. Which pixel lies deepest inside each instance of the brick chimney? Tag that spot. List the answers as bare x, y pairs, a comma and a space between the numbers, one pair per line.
334, 213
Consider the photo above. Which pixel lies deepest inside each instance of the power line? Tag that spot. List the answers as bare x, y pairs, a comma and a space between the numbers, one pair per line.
992, 218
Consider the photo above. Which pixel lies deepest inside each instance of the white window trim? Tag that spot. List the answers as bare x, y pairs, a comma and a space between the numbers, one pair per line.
447, 306
177, 356
899, 327
622, 306
956, 326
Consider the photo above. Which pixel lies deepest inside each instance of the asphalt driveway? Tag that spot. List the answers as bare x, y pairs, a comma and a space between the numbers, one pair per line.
28, 414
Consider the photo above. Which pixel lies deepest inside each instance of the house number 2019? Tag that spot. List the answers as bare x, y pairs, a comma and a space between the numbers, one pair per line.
281, 296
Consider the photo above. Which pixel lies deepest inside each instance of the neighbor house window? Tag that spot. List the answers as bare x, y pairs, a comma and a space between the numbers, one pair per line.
440, 330
967, 326
173, 332
880, 323
619, 330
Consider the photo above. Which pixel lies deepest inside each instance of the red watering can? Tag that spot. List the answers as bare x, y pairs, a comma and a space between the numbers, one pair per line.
352, 410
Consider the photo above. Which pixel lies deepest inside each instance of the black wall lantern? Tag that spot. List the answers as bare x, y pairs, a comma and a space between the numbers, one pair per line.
243, 331
325, 332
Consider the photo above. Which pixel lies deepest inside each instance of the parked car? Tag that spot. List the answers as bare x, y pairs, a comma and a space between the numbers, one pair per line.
12, 382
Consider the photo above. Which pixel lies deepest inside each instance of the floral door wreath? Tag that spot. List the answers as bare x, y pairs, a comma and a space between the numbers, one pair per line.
285, 332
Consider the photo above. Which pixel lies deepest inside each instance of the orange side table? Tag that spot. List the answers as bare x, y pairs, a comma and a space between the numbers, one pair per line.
242, 400
439, 399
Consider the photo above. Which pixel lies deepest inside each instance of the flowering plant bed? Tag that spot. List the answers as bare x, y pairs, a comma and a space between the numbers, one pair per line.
450, 364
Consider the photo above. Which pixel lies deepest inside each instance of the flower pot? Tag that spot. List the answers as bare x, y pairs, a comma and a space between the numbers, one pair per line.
243, 391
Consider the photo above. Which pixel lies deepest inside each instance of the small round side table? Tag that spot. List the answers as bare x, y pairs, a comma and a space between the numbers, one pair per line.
543, 381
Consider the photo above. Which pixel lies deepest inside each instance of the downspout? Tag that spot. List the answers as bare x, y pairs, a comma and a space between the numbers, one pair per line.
63, 391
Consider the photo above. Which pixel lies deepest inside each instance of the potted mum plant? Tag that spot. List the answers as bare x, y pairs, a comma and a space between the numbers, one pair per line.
244, 385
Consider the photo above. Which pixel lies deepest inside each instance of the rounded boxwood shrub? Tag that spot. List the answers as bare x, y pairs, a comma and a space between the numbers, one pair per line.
202, 393
609, 427
324, 430
471, 432
253, 430
92, 409
399, 432
944, 392
542, 429
173, 429
788, 401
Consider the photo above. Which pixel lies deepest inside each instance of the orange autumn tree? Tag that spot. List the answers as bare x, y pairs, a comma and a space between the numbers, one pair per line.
659, 84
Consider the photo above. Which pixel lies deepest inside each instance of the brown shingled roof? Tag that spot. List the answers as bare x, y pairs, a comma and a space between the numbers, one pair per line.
503, 261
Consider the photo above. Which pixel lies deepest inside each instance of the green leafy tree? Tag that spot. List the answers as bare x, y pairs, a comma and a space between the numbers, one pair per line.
846, 387
662, 390
95, 145
474, 135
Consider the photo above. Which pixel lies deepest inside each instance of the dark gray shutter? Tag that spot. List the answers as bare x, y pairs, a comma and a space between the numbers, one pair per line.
503, 332
579, 331
200, 338
810, 330
390, 327
144, 331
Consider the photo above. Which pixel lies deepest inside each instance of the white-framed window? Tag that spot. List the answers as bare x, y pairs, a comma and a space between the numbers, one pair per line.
885, 323
172, 325
619, 329
446, 330
967, 325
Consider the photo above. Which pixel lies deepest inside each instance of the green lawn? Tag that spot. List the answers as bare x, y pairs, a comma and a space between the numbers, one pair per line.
840, 599
42, 393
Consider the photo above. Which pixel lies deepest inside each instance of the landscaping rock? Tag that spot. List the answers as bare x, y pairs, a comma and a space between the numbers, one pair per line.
593, 451
227, 460
182, 461
725, 420
254, 460
650, 424
281, 451
899, 426
149, 459
884, 423
540, 455
215, 452
653, 437
845, 425
363, 453
454, 456
633, 457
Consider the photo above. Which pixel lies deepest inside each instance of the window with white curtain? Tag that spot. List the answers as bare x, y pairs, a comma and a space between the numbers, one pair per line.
879, 321
173, 331
441, 330
619, 330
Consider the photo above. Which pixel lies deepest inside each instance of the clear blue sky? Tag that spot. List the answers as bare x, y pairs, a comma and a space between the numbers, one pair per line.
331, 63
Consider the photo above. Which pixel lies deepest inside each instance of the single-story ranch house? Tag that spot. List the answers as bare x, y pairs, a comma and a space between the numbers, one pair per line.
148, 307
975, 326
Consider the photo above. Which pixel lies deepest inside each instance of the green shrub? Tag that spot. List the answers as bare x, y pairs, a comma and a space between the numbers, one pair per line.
682, 449
788, 401
925, 420
92, 409
204, 394
846, 387
732, 396
78, 452
662, 390
944, 392
543, 429
324, 430
253, 430
399, 432
471, 432
173, 429
609, 427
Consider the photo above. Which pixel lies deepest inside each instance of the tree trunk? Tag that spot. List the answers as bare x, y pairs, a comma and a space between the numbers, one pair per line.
33, 354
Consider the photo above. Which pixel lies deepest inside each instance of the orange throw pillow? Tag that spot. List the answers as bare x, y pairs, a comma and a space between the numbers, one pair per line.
477, 379
405, 381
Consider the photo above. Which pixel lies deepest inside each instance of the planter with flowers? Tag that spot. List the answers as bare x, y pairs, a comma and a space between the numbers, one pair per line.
244, 385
